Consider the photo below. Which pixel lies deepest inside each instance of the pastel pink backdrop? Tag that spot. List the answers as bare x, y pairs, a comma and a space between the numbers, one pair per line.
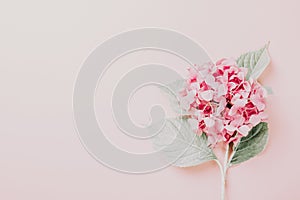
42, 46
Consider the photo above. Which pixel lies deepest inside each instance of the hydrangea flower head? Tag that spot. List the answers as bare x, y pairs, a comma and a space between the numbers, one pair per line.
221, 102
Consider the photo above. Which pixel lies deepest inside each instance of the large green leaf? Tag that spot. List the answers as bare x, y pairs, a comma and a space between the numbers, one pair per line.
181, 146
171, 91
251, 145
255, 61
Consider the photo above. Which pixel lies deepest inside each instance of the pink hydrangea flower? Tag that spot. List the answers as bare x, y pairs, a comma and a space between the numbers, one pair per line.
220, 101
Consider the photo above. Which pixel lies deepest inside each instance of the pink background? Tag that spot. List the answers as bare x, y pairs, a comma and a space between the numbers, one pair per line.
42, 46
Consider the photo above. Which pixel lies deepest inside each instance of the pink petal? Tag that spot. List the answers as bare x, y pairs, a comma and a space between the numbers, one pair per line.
222, 90
219, 125
244, 130
263, 115
230, 128
258, 103
207, 95
233, 110
255, 119
211, 139
238, 121
210, 80
209, 122
240, 102
221, 107
195, 86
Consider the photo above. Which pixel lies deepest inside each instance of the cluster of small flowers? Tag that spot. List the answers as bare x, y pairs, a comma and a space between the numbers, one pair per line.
221, 102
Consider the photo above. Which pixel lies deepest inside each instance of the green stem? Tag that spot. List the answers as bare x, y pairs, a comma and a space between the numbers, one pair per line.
223, 186
223, 170
222, 179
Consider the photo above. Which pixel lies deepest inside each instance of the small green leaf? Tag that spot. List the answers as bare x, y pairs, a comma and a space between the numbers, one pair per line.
181, 146
268, 89
251, 145
255, 61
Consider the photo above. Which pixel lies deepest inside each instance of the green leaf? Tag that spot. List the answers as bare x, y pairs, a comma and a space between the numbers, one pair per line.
255, 61
171, 91
268, 89
251, 145
181, 146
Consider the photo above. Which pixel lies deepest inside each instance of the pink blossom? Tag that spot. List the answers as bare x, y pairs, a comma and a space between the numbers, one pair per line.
222, 104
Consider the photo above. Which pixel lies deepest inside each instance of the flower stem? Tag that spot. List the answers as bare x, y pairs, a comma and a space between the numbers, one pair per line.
223, 187
223, 170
